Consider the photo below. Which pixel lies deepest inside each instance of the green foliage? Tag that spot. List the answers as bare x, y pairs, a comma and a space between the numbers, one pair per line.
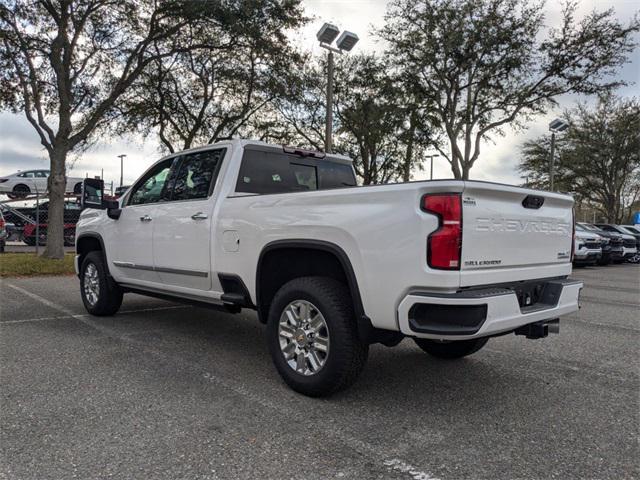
28, 265
597, 159
478, 66
206, 94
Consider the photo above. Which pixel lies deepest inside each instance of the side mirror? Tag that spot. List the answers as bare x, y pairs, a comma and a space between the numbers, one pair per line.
92, 194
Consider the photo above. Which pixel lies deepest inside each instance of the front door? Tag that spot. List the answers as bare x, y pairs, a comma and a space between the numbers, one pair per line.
182, 235
131, 236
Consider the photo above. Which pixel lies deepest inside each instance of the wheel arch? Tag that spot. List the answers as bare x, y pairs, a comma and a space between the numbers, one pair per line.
320, 251
21, 184
89, 242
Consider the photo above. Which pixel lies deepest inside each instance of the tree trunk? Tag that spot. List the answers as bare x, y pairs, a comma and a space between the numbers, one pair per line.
56, 186
455, 163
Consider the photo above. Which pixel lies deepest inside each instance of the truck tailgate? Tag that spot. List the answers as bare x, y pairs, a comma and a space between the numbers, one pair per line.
511, 233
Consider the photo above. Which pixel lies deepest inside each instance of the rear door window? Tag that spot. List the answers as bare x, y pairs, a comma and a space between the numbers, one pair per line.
196, 175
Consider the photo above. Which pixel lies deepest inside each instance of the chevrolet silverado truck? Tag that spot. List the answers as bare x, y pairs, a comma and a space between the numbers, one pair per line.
588, 247
331, 267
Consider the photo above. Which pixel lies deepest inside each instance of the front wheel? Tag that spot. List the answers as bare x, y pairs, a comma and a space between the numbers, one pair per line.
450, 350
100, 294
312, 336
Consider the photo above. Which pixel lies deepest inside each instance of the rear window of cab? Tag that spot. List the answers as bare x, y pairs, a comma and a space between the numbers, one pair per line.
265, 172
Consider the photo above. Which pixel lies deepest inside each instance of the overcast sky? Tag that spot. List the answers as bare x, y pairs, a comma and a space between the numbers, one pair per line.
20, 148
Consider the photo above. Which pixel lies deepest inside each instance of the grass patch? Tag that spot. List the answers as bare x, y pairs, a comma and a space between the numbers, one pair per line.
28, 265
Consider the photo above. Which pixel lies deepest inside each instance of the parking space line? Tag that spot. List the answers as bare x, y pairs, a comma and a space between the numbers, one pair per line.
122, 312
29, 320
377, 455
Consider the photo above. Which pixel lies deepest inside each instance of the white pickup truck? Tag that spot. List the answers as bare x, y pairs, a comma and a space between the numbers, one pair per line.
331, 267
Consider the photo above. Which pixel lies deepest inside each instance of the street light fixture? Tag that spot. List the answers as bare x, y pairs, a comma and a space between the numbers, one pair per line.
431, 157
556, 126
326, 35
121, 166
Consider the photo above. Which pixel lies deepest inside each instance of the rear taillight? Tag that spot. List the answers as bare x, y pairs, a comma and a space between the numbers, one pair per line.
444, 245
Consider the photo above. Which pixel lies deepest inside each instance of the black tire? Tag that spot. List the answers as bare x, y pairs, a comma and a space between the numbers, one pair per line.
451, 350
20, 191
31, 241
109, 296
346, 355
77, 188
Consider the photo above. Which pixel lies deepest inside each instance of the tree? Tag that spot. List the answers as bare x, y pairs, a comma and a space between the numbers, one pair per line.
373, 123
598, 158
201, 96
371, 120
478, 66
298, 118
65, 64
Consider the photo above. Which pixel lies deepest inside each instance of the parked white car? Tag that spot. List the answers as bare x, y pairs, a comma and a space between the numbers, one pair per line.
29, 182
588, 248
331, 267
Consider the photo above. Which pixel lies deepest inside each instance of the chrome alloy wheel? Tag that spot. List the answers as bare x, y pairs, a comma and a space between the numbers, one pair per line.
304, 337
91, 284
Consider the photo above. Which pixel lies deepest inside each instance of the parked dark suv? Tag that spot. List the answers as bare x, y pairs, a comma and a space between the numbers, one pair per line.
631, 240
612, 250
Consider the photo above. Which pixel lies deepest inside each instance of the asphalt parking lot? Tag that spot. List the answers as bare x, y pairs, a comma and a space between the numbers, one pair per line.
171, 391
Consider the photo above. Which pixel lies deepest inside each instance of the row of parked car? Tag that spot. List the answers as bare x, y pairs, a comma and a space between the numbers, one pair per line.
603, 243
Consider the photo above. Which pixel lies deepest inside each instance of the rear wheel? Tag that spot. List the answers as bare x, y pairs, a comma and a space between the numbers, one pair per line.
77, 188
450, 350
100, 294
312, 336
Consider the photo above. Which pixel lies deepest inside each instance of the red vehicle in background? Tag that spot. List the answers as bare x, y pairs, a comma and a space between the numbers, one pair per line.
3, 233
33, 232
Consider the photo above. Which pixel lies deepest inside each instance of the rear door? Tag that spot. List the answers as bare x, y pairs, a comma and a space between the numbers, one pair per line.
512, 233
182, 233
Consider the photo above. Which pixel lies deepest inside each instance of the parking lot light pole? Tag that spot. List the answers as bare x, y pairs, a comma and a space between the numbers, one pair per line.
326, 35
121, 166
556, 126
431, 157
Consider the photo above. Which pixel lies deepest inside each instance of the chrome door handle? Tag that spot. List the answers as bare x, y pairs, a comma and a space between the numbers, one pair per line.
146, 218
199, 216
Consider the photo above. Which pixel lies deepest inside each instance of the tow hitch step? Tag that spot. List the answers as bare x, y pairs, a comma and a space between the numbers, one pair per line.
539, 329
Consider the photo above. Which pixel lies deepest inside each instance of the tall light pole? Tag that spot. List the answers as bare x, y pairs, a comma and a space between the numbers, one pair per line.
556, 126
326, 35
121, 166
431, 157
